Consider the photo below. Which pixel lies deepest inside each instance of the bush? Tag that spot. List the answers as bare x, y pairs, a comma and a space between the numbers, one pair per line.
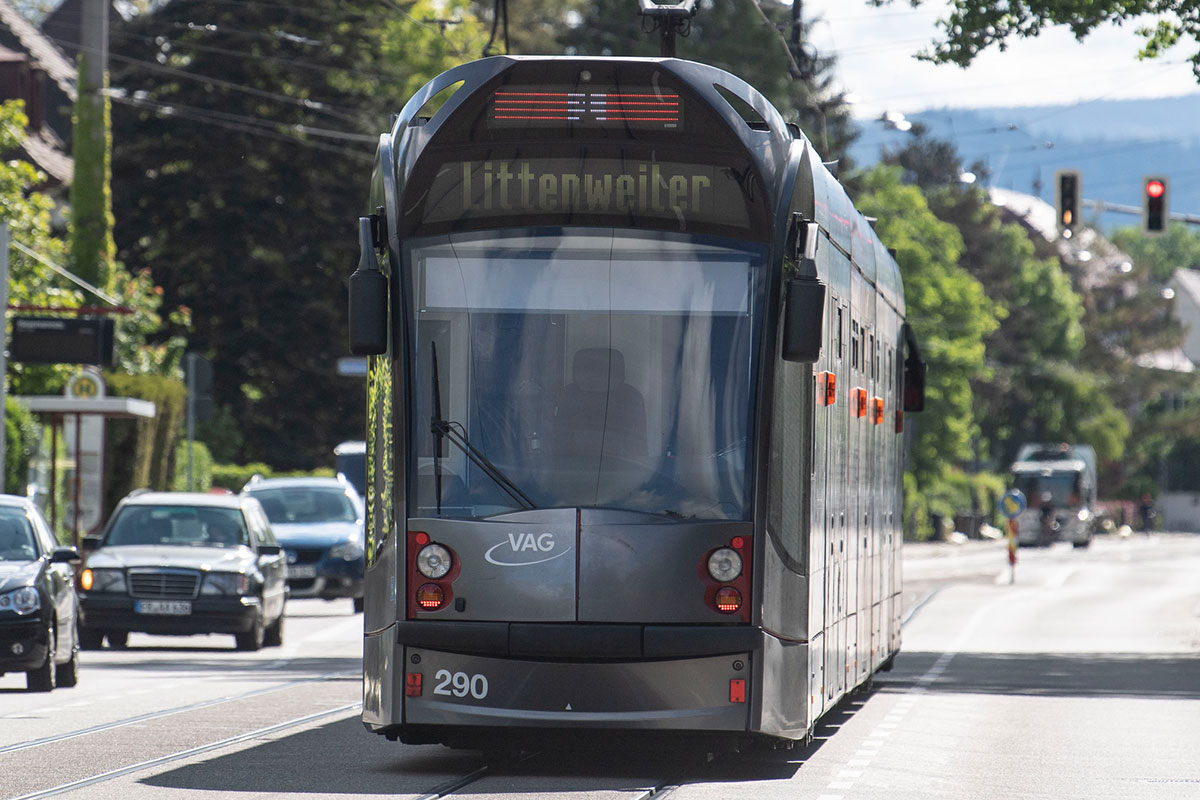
234, 476
22, 434
202, 468
930, 513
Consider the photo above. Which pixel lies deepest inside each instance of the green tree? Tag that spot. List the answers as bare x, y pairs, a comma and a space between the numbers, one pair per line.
1031, 375
949, 311
972, 26
244, 138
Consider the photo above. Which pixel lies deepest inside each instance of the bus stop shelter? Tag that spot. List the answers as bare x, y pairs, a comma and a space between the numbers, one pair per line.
58, 408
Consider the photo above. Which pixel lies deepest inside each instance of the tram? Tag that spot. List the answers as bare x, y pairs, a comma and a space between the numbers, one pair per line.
637, 380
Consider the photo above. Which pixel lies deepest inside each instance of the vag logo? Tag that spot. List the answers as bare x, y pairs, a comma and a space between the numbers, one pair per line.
524, 549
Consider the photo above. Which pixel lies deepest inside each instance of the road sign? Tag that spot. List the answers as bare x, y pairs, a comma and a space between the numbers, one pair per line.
57, 340
1013, 503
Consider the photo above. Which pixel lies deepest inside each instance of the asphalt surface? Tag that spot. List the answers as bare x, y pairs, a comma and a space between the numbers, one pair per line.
1075, 675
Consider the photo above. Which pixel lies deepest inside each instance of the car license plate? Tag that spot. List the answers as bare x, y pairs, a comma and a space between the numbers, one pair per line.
170, 608
302, 571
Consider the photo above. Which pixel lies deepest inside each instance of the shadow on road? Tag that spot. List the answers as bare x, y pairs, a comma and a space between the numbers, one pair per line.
1168, 675
342, 758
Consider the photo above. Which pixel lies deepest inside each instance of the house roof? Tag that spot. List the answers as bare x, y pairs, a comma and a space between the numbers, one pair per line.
43, 51
49, 154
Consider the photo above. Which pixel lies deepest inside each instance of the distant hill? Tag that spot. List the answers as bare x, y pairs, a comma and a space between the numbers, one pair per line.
1114, 143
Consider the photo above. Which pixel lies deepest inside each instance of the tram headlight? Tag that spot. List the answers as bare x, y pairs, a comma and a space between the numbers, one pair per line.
434, 561
724, 564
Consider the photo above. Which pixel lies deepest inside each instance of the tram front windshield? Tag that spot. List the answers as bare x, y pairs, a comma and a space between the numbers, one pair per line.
584, 368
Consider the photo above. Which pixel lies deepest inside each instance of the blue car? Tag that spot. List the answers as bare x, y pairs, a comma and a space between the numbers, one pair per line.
319, 523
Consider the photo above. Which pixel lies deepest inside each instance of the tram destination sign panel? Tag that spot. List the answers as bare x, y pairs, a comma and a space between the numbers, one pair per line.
58, 340
633, 108
686, 193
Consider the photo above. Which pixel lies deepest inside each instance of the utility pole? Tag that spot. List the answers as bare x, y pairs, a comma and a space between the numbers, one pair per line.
92, 248
3, 352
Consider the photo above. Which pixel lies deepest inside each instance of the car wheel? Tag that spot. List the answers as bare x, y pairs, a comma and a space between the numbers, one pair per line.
117, 640
253, 638
68, 674
42, 678
274, 634
360, 603
90, 639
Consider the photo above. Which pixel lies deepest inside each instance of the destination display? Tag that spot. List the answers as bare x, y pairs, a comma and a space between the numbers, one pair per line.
637, 108
685, 193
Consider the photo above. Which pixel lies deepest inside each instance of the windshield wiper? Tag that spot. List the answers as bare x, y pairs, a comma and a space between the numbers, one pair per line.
444, 428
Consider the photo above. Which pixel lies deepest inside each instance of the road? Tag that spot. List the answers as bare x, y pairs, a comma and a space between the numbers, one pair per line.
1081, 679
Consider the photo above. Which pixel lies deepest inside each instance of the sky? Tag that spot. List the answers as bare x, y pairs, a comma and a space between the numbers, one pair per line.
875, 48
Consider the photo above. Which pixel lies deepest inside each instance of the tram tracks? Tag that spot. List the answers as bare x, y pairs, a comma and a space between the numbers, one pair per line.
185, 754
167, 712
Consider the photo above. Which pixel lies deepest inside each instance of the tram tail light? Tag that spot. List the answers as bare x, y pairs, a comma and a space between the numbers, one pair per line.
432, 570
725, 573
431, 597
728, 600
412, 684
737, 690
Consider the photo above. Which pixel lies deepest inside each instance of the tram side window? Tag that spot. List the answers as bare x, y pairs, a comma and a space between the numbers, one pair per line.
854, 345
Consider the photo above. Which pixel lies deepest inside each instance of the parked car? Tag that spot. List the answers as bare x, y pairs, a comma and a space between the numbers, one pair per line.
319, 522
184, 563
39, 612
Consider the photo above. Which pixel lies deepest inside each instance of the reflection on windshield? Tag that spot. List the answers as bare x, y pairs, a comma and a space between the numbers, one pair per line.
589, 370
16, 537
181, 526
305, 505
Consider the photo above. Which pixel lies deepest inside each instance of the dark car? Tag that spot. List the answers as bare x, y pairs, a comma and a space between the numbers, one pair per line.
184, 563
39, 612
319, 522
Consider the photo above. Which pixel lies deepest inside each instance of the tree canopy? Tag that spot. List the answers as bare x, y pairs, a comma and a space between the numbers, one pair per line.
244, 136
972, 26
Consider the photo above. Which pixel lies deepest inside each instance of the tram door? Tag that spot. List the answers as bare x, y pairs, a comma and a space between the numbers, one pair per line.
819, 565
835, 565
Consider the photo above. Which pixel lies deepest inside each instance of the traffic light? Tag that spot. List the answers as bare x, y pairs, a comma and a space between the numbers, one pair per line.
1068, 188
1154, 205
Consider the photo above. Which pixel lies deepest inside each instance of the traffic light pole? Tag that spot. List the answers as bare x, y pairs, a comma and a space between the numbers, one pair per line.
191, 414
1102, 206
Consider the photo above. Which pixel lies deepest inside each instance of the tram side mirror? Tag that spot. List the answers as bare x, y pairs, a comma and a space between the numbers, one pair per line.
914, 373
803, 320
368, 298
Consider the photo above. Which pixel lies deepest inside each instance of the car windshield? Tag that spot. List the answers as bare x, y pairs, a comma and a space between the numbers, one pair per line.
184, 526
305, 504
16, 536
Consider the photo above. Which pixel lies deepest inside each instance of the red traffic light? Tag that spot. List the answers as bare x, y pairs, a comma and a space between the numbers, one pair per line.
1155, 188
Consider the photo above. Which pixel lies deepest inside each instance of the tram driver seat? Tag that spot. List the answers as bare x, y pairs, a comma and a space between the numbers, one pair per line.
598, 409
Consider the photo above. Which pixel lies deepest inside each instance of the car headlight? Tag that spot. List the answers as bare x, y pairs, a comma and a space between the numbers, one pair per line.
1084, 515
102, 580
25, 600
347, 551
226, 583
